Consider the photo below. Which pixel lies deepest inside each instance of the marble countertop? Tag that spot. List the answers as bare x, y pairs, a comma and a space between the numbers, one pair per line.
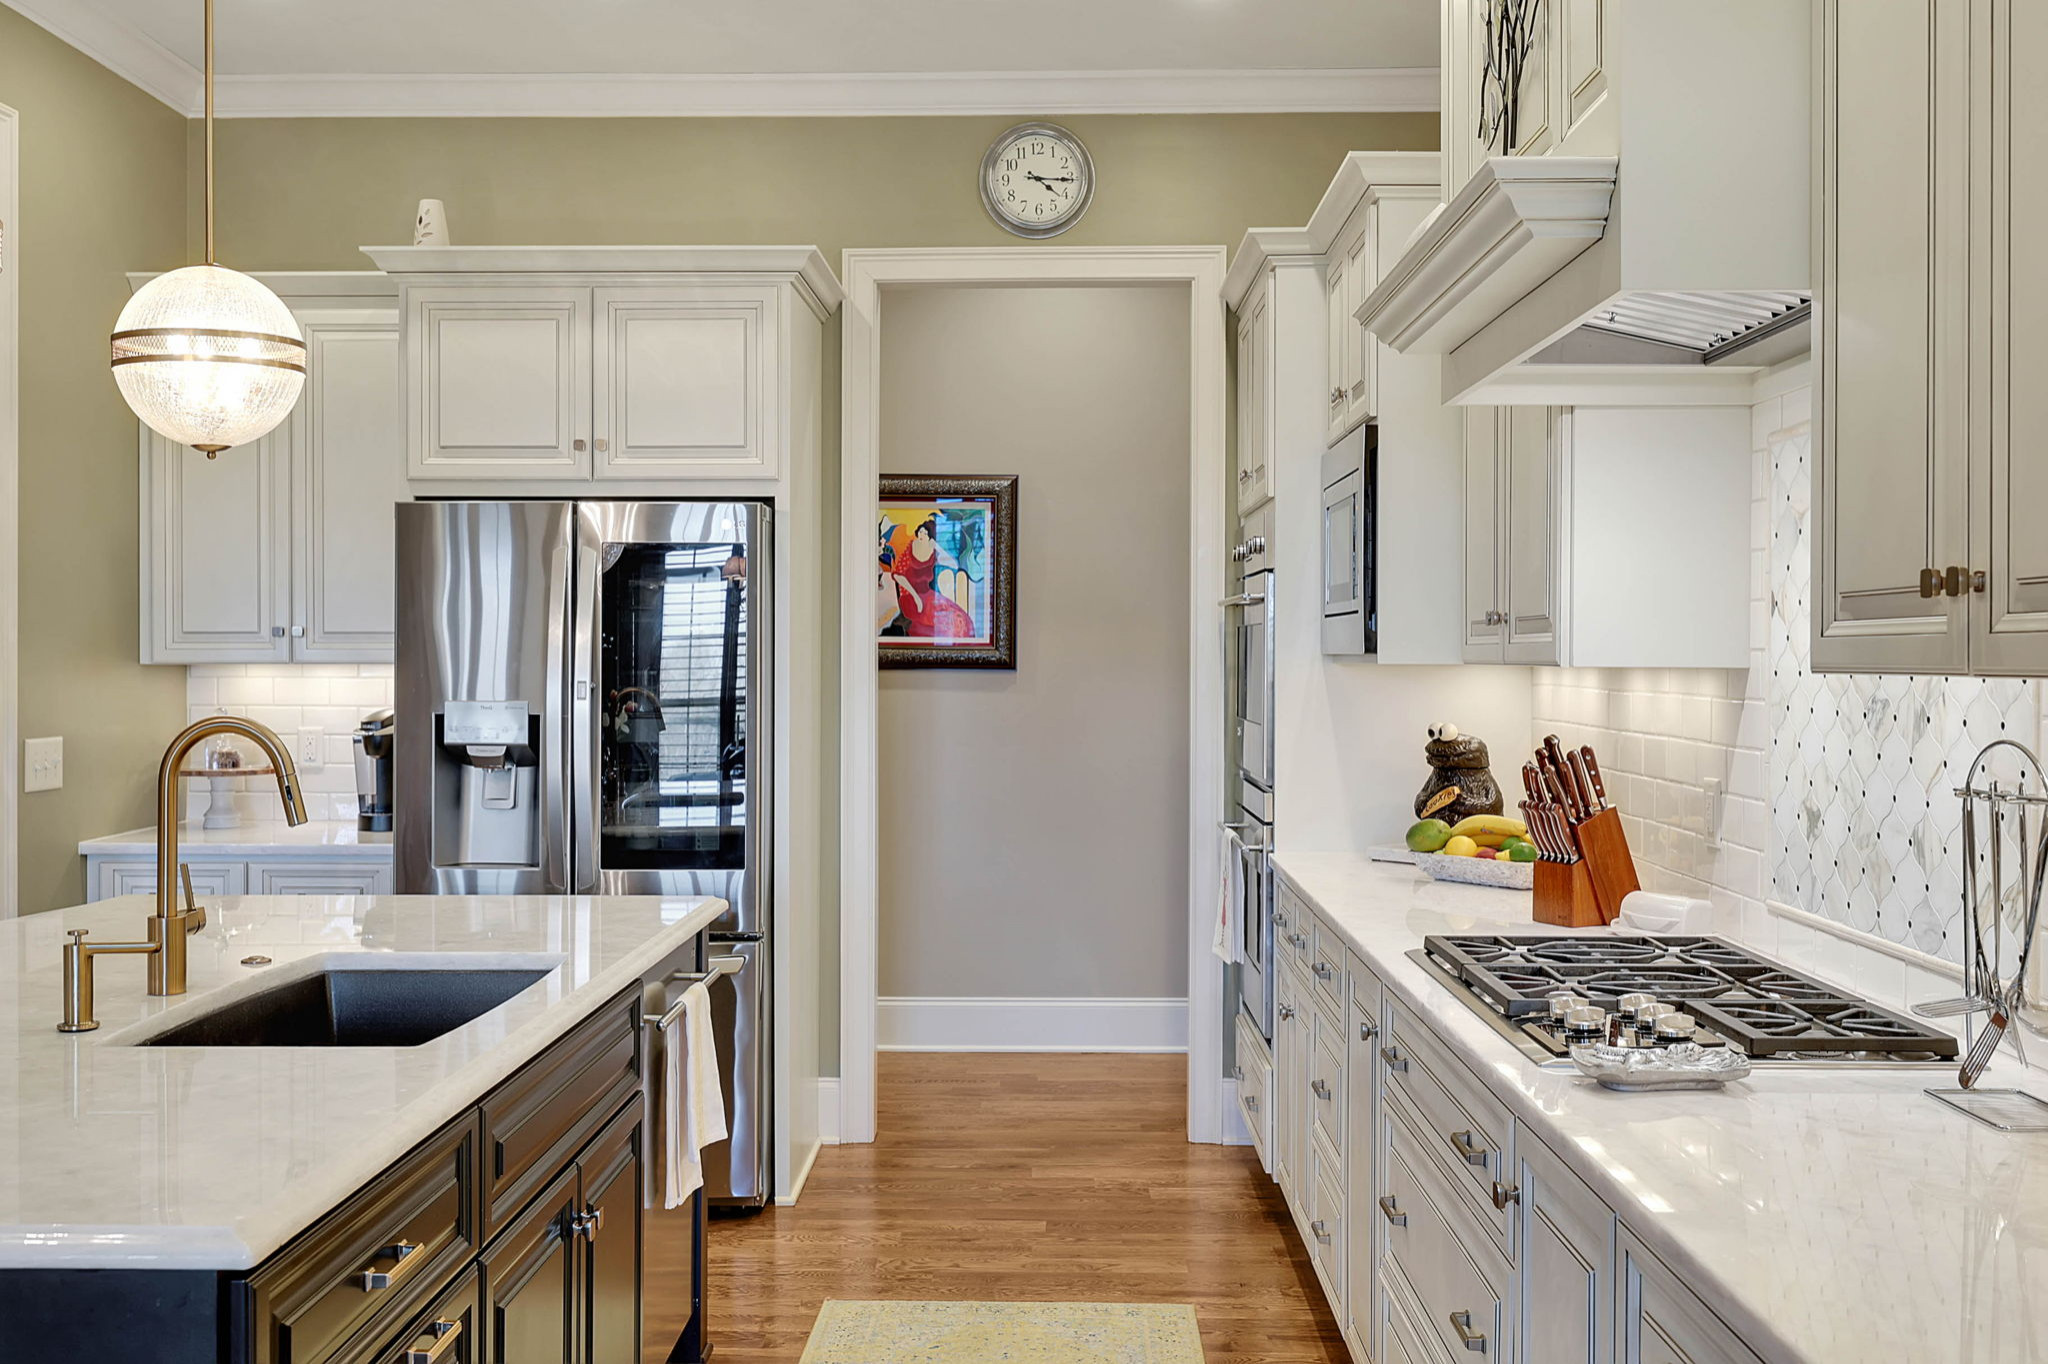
253, 838
1826, 1214
120, 1156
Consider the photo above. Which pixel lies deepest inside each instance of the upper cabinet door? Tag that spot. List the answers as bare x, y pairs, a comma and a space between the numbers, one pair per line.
1536, 111
681, 379
1484, 623
1337, 299
347, 479
2009, 616
1255, 401
1892, 371
1581, 38
213, 578
1533, 478
500, 382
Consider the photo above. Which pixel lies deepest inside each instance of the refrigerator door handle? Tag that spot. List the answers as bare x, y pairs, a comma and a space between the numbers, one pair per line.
555, 775
582, 664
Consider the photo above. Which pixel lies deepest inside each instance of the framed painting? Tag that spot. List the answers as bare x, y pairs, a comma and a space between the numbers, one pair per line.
946, 572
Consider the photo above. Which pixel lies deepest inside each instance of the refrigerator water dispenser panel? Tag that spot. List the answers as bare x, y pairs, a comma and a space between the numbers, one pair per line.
489, 773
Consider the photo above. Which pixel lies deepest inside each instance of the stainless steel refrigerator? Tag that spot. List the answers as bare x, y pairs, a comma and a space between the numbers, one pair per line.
582, 707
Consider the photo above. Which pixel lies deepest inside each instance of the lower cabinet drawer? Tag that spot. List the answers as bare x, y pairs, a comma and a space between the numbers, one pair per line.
535, 1123
1328, 1099
1468, 1133
1327, 1233
1402, 1340
1463, 1301
363, 1273
1255, 1088
1662, 1322
320, 878
137, 876
446, 1333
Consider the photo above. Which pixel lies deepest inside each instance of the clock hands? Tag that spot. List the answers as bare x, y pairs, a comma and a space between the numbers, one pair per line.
1047, 179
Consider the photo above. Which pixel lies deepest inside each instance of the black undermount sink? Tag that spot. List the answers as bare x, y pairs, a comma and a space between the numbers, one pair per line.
400, 1008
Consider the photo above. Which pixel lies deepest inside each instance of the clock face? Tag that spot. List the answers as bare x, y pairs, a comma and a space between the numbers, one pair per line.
1036, 180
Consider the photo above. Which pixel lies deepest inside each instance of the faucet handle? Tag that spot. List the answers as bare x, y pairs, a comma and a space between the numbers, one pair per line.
195, 915
77, 935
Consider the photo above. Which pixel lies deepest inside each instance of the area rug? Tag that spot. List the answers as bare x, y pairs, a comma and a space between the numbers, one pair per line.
1004, 1333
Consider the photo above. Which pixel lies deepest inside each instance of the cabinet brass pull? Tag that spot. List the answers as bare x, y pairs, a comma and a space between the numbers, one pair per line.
405, 1257
1471, 1150
1395, 1061
1952, 581
1979, 581
1475, 1341
1320, 1230
1504, 1194
444, 1333
1319, 1089
1393, 1211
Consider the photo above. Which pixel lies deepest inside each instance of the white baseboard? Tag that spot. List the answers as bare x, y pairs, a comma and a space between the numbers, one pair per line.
803, 1177
828, 1110
1059, 1024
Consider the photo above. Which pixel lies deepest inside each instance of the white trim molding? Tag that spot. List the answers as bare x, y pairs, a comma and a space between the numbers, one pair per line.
1045, 1024
136, 57
10, 512
869, 276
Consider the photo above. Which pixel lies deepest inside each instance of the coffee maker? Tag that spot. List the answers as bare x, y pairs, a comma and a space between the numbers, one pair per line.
373, 739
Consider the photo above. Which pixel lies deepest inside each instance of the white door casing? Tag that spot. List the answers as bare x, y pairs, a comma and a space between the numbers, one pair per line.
10, 544
867, 273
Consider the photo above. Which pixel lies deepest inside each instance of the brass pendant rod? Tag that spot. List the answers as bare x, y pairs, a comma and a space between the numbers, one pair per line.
209, 132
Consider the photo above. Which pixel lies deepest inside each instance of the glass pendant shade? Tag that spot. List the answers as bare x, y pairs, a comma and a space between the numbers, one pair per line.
208, 357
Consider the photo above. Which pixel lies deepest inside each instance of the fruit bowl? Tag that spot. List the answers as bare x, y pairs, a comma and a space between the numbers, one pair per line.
1479, 871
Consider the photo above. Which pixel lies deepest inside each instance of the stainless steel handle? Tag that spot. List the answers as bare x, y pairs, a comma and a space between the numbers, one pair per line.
277, 632
1244, 599
1320, 1089
1324, 971
1251, 1103
1467, 1146
445, 1334
587, 1223
298, 632
1504, 1194
1392, 1056
1320, 1230
1367, 1031
1475, 1341
1286, 1011
1300, 940
1237, 1073
1392, 1211
1255, 546
405, 1257
714, 968
1239, 553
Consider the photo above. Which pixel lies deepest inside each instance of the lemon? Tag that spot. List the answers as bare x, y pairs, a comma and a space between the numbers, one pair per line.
1461, 846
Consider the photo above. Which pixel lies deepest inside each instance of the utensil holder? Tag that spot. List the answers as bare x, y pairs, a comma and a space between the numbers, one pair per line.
1564, 896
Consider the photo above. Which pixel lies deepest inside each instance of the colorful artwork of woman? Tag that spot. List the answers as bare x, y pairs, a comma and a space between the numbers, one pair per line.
945, 571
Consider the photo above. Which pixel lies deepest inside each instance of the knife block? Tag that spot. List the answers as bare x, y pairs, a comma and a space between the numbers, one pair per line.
1608, 862
1564, 896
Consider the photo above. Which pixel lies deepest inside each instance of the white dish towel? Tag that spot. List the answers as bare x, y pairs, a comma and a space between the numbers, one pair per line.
693, 1106
1229, 896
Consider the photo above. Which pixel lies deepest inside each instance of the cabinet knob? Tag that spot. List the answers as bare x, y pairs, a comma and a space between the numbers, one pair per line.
1978, 581
1337, 394
1367, 1031
298, 632
277, 632
576, 444
1930, 582
1256, 545
1286, 1011
1504, 1194
587, 1223
601, 444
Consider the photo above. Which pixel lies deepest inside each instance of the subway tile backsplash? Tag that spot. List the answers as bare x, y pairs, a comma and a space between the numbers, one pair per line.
290, 697
1830, 794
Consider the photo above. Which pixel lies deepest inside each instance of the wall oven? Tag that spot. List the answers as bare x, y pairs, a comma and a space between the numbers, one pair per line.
1350, 598
1250, 827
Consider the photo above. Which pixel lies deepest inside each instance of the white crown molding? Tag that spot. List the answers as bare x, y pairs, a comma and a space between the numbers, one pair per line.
803, 262
127, 52
140, 59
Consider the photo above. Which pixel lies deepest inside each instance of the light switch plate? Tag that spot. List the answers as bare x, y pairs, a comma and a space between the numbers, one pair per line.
42, 764
309, 749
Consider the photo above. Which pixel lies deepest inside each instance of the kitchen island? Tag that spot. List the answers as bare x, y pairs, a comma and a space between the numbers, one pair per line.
125, 1166
1820, 1214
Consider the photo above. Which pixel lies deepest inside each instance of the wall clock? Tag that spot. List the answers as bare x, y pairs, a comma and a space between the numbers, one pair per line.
1036, 180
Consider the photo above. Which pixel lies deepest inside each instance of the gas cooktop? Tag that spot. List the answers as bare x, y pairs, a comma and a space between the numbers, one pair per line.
1736, 998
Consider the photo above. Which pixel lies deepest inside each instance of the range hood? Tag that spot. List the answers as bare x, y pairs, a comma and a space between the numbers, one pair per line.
1655, 253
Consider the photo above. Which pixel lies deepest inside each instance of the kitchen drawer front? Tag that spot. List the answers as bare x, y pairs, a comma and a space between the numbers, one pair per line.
1298, 942
1402, 1339
535, 1123
137, 876
1327, 959
1255, 1088
320, 878
1365, 986
1469, 1133
363, 1273
1463, 1298
1327, 1235
1327, 1097
1662, 1322
446, 1333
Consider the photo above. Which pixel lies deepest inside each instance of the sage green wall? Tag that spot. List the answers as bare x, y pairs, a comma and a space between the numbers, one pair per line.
305, 193
102, 192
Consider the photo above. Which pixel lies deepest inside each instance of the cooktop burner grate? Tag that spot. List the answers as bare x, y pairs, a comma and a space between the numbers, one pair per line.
1765, 1009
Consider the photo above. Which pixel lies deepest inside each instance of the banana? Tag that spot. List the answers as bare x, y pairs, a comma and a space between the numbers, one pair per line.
1489, 831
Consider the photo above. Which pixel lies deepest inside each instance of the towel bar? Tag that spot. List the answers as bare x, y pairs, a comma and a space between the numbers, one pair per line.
716, 967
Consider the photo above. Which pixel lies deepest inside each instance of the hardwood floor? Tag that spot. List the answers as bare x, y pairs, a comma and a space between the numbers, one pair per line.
1023, 1178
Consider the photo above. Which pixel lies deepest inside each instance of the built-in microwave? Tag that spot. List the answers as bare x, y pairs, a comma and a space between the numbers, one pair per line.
1350, 492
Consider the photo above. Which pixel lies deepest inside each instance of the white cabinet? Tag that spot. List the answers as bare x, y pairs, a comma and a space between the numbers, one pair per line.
357, 877
1565, 1277
1925, 484
1352, 270
239, 874
281, 551
1662, 1322
1254, 1074
631, 365
137, 876
1255, 399
498, 381
1607, 537
1362, 1033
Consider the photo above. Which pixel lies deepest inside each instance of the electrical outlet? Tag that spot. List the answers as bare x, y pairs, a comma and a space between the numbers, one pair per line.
310, 748
42, 764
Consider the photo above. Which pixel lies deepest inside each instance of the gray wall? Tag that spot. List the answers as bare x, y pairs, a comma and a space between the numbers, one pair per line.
1033, 824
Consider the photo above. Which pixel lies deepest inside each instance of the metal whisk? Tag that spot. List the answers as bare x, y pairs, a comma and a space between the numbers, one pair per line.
1988, 911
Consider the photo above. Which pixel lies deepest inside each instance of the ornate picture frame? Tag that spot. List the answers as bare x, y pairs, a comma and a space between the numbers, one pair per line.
946, 571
